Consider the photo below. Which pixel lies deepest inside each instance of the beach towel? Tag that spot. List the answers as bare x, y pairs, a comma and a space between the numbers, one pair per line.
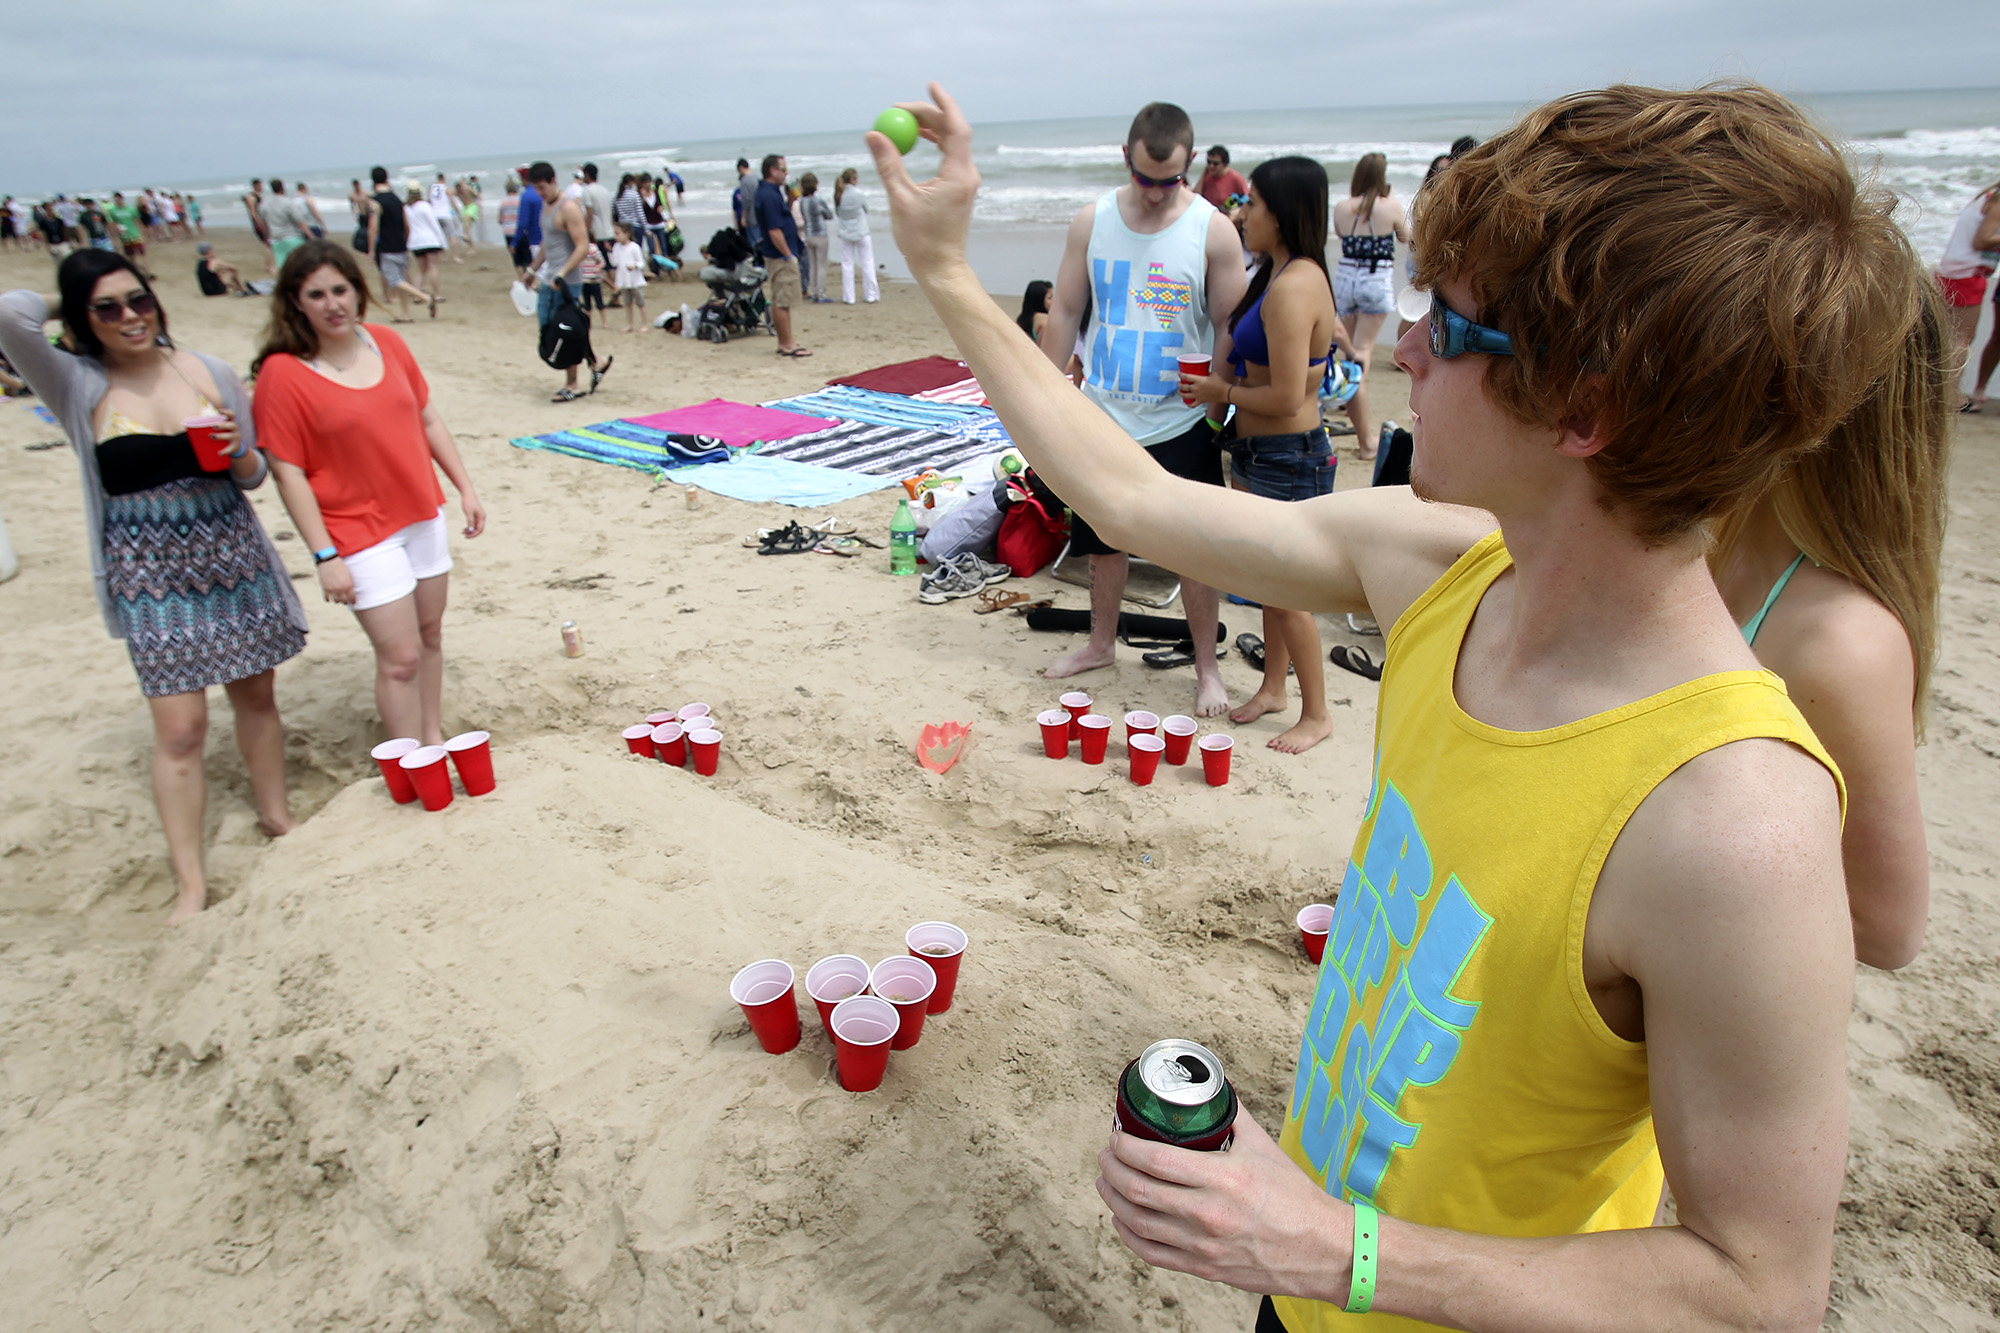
982, 426
880, 409
966, 391
624, 449
735, 424
760, 479
883, 451
908, 377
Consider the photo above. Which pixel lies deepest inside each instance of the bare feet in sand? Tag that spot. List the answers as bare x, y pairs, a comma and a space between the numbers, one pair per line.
1257, 705
276, 828
1087, 658
1211, 698
1309, 732
189, 903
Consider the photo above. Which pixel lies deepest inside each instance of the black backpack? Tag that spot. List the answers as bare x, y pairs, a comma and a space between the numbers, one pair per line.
566, 337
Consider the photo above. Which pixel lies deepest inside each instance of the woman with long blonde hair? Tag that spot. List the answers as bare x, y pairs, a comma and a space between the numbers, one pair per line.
1833, 576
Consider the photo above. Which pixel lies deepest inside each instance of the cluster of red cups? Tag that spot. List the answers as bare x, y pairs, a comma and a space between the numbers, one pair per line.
1315, 919
1145, 746
414, 771
867, 1012
671, 737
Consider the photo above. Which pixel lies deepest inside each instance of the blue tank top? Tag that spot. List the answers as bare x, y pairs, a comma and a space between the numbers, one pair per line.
1249, 344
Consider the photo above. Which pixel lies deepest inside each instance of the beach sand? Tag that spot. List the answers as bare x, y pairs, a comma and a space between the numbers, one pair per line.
480, 1070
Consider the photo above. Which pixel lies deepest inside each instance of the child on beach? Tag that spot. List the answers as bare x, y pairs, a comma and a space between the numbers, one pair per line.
628, 268
592, 274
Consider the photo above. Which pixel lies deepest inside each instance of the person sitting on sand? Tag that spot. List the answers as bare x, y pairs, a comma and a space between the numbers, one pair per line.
185, 574
1593, 931
1282, 332
354, 439
1833, 575
216, 277
1165, 267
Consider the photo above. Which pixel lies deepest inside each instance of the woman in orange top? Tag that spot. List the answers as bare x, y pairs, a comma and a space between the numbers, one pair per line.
347, 419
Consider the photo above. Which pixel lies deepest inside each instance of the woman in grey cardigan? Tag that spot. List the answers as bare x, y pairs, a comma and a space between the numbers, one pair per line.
184, 572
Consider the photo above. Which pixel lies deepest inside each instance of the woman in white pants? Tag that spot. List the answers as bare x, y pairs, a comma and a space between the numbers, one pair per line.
850, 214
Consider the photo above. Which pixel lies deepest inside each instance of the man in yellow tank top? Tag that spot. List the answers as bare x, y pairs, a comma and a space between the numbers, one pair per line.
1593, 932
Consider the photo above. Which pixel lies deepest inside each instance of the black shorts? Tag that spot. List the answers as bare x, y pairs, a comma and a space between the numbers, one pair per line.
1193, 455
592, 296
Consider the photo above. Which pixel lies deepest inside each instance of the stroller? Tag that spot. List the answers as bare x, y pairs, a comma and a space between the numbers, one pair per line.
735, 281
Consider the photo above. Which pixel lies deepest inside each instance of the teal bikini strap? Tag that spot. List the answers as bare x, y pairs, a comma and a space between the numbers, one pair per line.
1757, 621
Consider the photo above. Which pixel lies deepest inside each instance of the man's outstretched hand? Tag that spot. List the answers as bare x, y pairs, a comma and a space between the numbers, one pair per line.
930, 220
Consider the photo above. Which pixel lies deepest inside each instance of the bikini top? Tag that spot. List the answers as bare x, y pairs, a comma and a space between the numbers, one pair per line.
1757, 621
1249, 344
132, 457
1360, 247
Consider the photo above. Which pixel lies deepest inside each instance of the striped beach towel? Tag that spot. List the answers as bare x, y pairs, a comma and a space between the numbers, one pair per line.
877, 409
882, 451
622, 444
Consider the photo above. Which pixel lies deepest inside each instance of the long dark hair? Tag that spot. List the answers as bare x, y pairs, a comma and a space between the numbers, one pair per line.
1294, 189
290, 331
1371, 182
78, 278
1034, 302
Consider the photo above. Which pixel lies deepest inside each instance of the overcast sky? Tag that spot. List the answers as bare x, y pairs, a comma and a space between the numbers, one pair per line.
124, 90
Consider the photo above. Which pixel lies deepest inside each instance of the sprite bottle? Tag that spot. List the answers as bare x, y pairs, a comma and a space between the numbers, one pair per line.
902, 540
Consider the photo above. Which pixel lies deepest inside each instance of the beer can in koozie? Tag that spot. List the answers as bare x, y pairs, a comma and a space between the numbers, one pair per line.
1175, 1093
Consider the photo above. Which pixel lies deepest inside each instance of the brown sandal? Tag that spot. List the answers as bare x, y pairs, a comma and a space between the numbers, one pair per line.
995, 600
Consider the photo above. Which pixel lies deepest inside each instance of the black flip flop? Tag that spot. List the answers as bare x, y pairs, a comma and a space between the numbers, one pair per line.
597, 373
1350, 658
788, 540
1252, 649
1180, 655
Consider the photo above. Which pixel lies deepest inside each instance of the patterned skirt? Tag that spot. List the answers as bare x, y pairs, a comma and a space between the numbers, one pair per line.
194, 587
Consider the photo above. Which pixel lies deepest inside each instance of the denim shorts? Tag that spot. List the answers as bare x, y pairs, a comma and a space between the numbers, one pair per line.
1360, 291
1283, 467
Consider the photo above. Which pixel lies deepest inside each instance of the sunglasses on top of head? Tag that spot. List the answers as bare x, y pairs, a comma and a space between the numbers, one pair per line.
1145, 182
111, 309
1452, 334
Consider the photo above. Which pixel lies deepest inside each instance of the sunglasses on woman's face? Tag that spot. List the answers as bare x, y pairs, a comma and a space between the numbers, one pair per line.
111, 309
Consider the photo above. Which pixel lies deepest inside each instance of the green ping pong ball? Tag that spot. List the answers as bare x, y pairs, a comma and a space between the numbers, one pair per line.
899, 127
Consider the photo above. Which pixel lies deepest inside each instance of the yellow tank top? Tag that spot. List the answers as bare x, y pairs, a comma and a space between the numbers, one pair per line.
1454, 1071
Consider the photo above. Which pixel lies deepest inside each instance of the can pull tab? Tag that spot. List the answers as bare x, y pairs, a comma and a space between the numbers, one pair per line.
1193, 1070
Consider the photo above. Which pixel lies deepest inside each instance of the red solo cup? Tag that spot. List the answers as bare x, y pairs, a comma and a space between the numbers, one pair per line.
1180, 731
707, 747
1141, 723
425, 767
472, 754
1096, 731
210, 453
1194, 365
908, 984
660, 719
1145, 750
1315, 920
1076, 703
689, 711
863, 1028
670, 745
639, 738
764, 989
388, 757
925, 939
1215, 759
1055, 732
836, 977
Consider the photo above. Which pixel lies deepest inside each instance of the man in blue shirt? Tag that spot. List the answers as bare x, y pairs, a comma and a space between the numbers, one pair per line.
527, 232
778, 249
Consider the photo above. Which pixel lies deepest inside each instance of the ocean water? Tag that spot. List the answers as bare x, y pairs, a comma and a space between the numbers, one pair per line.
1934, 149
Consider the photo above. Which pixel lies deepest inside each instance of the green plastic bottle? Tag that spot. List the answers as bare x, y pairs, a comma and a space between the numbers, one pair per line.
902, 540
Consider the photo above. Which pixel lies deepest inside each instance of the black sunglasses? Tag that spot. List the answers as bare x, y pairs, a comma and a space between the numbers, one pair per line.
1145, 182
111, 309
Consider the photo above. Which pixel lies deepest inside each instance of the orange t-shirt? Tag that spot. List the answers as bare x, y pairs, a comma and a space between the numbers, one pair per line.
362, 450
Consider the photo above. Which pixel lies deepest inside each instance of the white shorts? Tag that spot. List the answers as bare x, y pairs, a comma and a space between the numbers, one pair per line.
1356, 291
388, 571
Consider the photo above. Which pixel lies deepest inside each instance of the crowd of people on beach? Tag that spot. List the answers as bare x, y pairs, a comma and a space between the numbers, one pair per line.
1660, 585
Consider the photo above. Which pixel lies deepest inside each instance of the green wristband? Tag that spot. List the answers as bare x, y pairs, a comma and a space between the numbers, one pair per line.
1367, 1235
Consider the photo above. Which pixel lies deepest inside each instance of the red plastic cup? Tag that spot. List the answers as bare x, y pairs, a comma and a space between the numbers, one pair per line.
660, 719
639, 738
690, 711
210, 453
908, 984
1180, 730
1076, 703
1145, 750
1315, 919
1215, 759
1095, 729
425, 767
1055, 723
836, 977
707, 747
670, 744
764, 989
1141, 723
926, 936
863, 1028
1194, 365
472, 754
388, 757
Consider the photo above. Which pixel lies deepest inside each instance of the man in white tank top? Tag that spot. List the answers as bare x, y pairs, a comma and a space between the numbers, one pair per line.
1160, 269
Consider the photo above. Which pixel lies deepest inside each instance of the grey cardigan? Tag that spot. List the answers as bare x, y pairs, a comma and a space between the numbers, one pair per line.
71, 386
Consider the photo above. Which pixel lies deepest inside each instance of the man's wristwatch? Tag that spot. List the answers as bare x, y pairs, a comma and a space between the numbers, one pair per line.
325, 554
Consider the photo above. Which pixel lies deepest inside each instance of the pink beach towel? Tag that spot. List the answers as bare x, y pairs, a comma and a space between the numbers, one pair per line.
735, 424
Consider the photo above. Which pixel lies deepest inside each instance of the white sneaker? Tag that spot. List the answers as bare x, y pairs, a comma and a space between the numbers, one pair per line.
984, 571
948, 582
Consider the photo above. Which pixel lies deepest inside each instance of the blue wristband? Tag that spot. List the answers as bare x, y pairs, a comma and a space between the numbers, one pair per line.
325, 554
